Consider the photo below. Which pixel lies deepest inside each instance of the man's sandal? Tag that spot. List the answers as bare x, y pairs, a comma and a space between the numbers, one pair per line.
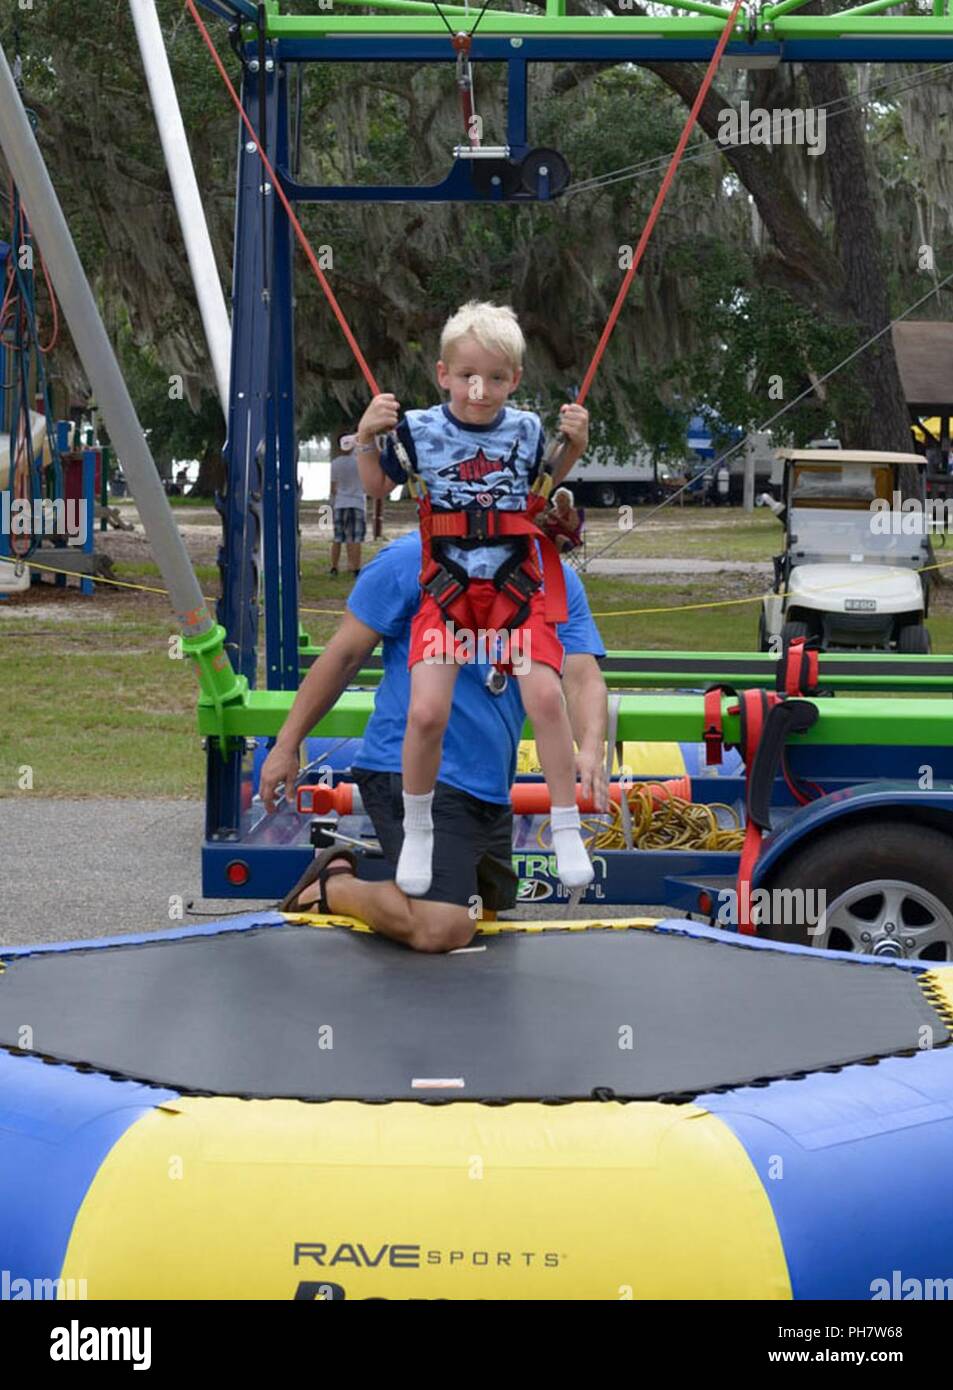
321, 868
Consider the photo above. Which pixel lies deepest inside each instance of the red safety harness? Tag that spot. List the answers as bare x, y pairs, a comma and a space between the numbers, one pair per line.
516, 580
767, 718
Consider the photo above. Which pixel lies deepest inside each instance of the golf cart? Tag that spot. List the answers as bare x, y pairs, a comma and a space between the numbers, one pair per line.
849, 572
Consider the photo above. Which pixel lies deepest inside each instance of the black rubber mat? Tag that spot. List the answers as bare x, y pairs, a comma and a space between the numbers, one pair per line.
321, 1013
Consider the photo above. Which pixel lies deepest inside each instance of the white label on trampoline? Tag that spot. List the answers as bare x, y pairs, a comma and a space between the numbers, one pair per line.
438, 1083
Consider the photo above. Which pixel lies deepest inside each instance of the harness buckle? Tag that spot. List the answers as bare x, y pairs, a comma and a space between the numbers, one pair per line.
522, 584
478, 525
443, 587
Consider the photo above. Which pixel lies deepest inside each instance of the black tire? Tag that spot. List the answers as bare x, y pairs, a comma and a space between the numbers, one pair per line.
844, 860
763, 643
606, 495
914, 640
791, 630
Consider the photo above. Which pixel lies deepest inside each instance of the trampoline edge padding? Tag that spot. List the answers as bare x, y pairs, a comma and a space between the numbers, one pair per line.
282, 1011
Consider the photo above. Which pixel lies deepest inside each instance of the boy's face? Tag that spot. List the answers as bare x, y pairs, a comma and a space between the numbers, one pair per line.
480, 382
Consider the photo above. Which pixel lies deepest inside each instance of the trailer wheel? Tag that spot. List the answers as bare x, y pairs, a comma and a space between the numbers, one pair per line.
881, 889
606, 495
764, 644
914, 640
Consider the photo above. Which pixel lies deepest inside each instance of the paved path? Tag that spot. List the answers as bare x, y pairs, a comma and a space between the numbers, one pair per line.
89, 868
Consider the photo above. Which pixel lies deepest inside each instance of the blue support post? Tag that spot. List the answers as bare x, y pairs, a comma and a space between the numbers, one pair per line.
63, 430
281, 621
89, 501
516, 109
245, 452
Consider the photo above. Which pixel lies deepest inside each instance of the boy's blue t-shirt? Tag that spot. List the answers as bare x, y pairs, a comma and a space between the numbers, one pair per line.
482, 737
467, 467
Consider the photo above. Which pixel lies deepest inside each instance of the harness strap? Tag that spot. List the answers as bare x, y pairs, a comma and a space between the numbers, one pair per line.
766, 719
753, 706
490, 525
799, 669
712, 735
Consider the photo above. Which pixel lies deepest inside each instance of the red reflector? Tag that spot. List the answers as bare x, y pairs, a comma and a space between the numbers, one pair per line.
704, 904
237, 873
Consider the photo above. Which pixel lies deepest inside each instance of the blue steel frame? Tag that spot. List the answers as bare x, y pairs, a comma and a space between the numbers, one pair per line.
261, 501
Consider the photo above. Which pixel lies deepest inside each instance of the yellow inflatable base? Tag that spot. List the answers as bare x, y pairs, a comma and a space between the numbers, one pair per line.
232, 1199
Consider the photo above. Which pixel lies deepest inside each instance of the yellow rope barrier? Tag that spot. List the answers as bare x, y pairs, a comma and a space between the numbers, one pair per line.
611, 613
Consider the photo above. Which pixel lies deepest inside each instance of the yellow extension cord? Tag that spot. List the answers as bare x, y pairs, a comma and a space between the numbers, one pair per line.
673, 824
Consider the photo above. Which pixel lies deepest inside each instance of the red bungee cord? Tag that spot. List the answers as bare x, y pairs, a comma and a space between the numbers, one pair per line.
657, 205
636, 260
305, 244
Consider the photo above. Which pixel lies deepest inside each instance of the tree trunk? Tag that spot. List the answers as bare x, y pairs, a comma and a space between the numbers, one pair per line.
877, 415
211, 477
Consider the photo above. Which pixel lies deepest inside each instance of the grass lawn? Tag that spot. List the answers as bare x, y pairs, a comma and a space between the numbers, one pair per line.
96, 707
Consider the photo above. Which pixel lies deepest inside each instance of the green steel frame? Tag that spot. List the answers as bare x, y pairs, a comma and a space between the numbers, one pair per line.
669, 670
654, 718
774, 23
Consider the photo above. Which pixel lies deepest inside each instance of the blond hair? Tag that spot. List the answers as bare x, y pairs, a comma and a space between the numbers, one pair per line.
494, 326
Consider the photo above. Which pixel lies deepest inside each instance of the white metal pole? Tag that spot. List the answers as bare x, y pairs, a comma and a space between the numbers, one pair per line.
50, 229
185, 189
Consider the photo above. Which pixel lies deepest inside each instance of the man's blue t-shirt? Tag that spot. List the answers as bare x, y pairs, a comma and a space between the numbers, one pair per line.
467, 467
482, 737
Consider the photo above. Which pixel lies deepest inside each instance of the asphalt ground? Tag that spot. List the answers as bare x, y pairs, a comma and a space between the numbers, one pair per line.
75, 869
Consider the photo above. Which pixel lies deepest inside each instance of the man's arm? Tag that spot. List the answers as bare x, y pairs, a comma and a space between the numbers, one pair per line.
320, 690
587, 702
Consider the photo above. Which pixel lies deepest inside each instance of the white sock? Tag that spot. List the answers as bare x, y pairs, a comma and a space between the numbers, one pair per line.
572, 861
414, 867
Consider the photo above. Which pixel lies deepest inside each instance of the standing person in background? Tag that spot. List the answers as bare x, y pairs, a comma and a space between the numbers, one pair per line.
347, 499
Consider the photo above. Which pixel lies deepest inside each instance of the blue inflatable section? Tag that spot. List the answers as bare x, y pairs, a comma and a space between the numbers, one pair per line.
827, 1148
58, 1125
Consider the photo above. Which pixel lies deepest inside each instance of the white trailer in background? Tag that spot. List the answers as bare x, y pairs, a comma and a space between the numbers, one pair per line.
606, 479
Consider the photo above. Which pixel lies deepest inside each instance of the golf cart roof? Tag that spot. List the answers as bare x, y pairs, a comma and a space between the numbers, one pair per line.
848, 456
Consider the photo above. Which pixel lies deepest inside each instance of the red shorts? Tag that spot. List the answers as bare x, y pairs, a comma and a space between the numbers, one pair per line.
434, 638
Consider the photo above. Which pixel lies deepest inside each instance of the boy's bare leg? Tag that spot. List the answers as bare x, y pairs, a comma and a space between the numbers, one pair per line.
354, 555
542, 694
431, 695
335, 554
422, 926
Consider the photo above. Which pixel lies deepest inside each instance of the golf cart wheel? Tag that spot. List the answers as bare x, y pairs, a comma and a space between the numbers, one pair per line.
792, 630
764, 644
914, 640
887, 892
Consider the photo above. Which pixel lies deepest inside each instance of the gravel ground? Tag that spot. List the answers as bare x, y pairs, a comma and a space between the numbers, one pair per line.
90, 868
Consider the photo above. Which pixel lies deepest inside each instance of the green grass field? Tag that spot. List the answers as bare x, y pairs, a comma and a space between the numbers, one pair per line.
96, 707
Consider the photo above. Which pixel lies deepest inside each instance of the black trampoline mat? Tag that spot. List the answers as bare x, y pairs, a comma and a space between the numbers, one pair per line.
329, 1013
